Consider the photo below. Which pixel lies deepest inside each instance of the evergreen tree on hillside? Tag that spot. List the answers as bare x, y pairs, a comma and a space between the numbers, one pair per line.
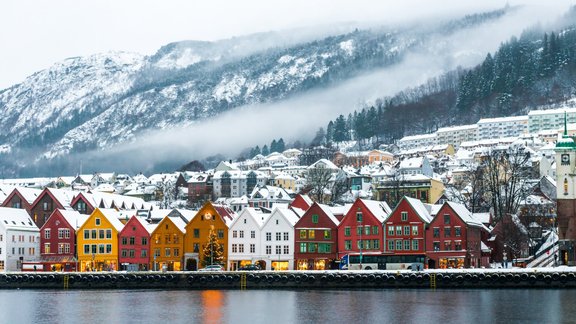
273, 146
265, 150
340, 130
281, 146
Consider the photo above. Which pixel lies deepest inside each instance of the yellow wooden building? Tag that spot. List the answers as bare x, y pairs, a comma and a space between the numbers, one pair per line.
97, 241
167, 244
210, 216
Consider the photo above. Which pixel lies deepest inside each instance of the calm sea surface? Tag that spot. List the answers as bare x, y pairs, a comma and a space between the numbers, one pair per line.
281, 306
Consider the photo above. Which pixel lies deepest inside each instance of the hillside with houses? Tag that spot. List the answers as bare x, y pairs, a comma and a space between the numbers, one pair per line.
481, 195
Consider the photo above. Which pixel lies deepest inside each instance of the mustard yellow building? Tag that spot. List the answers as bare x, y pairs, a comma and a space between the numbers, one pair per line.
167, 244
97, 241
210, 216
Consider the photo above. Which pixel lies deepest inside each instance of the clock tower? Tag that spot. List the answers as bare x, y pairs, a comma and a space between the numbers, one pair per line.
566, 197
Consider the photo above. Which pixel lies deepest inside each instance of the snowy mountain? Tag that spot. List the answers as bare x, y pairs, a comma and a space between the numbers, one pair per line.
97, 102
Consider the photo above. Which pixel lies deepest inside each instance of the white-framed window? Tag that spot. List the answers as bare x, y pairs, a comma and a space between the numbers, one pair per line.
415, 246
46, 234
252, 234
414, 229
268, 236
252, 248
241, 248
404, 216
268, 249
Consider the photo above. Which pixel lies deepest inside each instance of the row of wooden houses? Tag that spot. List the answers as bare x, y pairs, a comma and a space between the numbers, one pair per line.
300, 235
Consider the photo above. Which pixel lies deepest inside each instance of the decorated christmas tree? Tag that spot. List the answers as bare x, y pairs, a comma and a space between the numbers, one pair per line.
213, 252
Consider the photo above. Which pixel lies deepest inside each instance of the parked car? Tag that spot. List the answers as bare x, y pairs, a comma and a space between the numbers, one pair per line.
250, 267
213, 267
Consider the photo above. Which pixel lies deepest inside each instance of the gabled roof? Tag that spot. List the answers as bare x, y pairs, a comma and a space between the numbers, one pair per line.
185, 213
255, 214
29, 194
112, 215
464, 214
421, 209
16, 219
288, 214
62, 197
326, 209
73, 217
379, 209
142, 222
227, 214
324, 162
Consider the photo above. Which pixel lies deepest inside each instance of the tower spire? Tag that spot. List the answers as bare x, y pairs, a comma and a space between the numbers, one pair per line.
565, 124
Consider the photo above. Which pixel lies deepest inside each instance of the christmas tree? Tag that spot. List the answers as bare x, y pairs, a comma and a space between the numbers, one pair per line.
213, 252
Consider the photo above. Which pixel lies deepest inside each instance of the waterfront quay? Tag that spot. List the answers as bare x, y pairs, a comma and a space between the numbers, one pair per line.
469, 278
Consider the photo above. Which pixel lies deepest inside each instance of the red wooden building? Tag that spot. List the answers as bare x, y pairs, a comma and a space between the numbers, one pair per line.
316, 239
453, 239
405, 228
360, 231
134, 245
302, 201
47, 202
58, 240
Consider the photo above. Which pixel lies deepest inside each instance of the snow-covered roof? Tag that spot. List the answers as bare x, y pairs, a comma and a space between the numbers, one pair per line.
326, 209
29, 194
113, 216
464, 214
379, 209
324, 163
420, 209
74, 218
16, 219
411, 163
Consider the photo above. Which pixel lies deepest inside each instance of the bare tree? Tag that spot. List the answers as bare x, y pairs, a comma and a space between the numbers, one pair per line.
340, 187
318, 181
505, 174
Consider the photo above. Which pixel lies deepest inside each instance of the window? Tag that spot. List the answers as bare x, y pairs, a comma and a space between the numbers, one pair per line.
101, 234
303, 247
302, 234
398, 244
391, 245
457, 245
94, 248
45, 205
278, 249
60, 233
47, 234
436, 246
347, 231
176, 252
234, 248
406, 230
144, 241
415, 245
446, 219
327, 234
252, 248
241, 248
359, 217
268, 249
278, 236
436, 232
398, 230
367, 230
286, 236
375, 230
234, 234
404, 216
315, 219
47, 248
86, 249
132, 253
311, 234
124, 253
196, 233
144, 253
286, 249
157, 252
360, 244
414, 229
196, 247
268, 236
220, 234
101, 248
241, 234
359, 230
311, 247
447, 246
97, 221
108, 248
390, 230
406, 245
252, 234
376, 244
348, 245
457, 231
447, 232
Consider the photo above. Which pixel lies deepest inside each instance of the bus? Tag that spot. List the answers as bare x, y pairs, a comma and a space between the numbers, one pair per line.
382, 261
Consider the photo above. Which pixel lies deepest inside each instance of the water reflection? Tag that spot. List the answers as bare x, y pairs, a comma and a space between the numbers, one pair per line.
268, 306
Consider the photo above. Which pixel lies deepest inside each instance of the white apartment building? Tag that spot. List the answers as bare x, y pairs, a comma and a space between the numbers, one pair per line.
19, 239
489, 128
409, 142
236, 183
539, 120
277, 239
456, 134
244, 242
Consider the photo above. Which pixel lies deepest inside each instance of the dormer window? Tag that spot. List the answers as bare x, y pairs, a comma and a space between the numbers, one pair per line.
97, 221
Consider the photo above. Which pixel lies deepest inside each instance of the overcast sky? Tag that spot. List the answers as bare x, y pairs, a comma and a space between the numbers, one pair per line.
36, 33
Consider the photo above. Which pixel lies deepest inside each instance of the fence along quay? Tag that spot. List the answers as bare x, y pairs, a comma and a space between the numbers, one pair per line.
524, 278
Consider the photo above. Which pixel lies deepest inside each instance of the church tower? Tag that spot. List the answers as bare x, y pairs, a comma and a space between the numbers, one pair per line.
566, 197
